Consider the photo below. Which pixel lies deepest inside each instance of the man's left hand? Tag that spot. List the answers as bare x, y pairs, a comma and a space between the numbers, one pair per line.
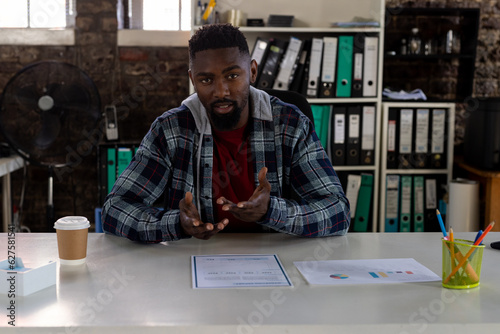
257, 205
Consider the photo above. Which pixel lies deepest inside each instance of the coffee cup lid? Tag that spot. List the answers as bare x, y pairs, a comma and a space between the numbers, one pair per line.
72, 223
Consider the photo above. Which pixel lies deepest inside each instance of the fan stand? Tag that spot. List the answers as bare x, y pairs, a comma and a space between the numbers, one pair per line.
50, 202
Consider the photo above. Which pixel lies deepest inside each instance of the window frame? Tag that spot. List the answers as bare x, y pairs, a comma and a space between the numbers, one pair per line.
42, 36
134, 35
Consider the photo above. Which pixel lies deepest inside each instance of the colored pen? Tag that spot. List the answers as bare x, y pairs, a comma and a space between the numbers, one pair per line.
478, 235
461, 263
441, 224
452, 249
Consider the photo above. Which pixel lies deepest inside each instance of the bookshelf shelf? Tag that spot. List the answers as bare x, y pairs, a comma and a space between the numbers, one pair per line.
441, 175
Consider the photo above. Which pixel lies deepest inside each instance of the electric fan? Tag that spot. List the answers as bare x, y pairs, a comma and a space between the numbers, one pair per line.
47, 110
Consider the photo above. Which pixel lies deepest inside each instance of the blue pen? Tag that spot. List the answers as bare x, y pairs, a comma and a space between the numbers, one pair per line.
478, 235
441, 224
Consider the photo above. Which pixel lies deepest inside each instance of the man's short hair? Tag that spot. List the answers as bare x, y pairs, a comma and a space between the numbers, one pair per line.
217, 36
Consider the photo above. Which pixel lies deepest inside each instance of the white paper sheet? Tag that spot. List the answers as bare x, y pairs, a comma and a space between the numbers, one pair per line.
341, 272
237, 271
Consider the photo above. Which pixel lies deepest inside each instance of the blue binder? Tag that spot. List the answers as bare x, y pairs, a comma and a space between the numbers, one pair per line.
392, 203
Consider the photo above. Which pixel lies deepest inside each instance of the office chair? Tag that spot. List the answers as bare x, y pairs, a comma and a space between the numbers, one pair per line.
294, 98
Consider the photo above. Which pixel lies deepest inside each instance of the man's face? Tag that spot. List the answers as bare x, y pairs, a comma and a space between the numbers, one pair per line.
222, 79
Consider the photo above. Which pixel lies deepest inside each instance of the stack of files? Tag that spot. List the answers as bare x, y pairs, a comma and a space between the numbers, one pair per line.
341, 66
321, 115
411, 202
357, 64
416, 138
352, 139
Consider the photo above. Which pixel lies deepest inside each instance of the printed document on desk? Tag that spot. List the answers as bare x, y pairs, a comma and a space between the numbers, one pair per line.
342, 272
238, 271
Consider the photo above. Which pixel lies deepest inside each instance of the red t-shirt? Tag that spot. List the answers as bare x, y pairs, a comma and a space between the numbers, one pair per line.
232, 175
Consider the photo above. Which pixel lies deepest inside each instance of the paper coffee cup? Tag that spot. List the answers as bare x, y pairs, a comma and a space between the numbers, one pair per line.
72, 234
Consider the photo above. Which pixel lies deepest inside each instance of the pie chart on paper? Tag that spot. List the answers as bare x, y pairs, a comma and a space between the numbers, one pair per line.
339, 276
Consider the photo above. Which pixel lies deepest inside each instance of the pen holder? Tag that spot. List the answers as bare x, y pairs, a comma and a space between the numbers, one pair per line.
461, 264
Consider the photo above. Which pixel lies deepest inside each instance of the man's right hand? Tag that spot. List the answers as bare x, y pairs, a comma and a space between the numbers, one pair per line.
191, 223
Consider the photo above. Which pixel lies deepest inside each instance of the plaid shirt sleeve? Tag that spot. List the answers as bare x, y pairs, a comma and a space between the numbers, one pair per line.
315, 204
128, 209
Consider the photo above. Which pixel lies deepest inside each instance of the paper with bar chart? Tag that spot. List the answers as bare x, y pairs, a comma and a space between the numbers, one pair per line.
342, 272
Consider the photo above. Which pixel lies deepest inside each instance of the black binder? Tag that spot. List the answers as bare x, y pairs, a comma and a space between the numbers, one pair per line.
259, 53
353, 142
338, 136
270, 69
392, 138
357, 65
300, 72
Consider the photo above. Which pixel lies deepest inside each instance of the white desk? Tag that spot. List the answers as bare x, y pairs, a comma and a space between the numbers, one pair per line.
128, 287
8, 165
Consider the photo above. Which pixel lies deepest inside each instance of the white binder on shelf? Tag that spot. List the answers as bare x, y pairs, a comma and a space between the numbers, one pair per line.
438, 152
405, 137
288, 64
328, 67
353, 184
315, 67
370, 65
421, 138
367, 136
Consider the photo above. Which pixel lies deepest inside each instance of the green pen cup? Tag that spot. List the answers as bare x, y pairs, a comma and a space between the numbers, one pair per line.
468, 273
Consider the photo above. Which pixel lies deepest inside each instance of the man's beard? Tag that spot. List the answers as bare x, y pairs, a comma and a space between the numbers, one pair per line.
225, 122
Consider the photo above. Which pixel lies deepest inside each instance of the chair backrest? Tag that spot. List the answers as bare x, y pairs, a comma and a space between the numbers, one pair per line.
294, 98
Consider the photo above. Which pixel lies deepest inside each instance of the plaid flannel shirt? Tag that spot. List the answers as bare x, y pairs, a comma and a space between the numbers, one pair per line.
306, 197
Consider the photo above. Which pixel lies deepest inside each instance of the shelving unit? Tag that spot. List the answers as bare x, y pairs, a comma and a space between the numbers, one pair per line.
442, 76
313, 19
443, 174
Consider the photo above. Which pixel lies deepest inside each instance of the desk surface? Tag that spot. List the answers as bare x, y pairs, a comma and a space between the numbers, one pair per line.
126, 285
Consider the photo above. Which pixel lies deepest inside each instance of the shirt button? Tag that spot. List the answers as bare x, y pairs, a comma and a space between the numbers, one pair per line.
207, 139
207, 165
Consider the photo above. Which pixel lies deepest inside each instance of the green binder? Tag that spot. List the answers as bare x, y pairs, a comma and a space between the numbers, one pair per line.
363, 205
418, 203
317, 111
405, 211
321, 115
124, 158
344, 67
